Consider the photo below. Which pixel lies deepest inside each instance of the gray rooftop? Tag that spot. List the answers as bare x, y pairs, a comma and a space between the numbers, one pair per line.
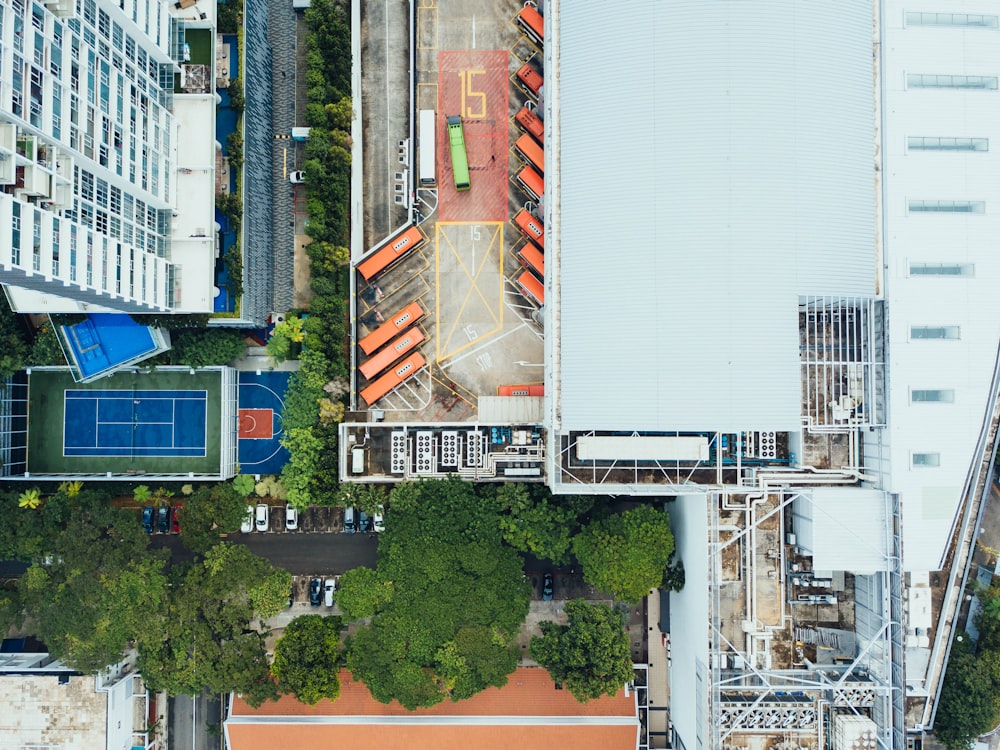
716, 162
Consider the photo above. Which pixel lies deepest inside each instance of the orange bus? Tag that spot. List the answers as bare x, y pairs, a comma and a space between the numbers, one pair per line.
531, 152
393, 326
521, 390
396, 376
533, 259
391, 252
530, 227
531, 78
529, 122
531, 287
391, 352
531, 23
531, 183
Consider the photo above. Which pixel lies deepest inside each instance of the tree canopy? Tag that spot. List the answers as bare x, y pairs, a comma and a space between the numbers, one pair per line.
969, 703
211, 511
307, 658
626, 554
539, 523
362, 593
590, 655
204, 348
210, 645
96, 587
458, 598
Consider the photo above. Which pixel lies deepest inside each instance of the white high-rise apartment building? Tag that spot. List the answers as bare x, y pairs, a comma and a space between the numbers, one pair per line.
107, 156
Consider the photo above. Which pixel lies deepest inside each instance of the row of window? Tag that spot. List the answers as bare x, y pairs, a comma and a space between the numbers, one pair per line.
968, 20
930, 459
932, 81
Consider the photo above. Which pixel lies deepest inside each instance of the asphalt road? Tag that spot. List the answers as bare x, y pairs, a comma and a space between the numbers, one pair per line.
298, 553
188, 723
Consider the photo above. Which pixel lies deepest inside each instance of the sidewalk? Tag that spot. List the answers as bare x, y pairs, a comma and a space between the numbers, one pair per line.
659, 677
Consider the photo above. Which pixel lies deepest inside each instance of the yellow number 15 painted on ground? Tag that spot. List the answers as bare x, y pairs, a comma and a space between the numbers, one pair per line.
468, 93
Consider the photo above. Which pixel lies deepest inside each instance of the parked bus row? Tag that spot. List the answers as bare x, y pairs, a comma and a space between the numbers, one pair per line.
397, 337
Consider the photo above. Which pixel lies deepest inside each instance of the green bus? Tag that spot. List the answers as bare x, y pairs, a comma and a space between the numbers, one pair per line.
459, 158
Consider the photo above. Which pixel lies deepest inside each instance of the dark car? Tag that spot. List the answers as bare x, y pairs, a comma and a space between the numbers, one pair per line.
163, 519
147, 519
291, 595
547, 588
175, 523
315, 591
364, 522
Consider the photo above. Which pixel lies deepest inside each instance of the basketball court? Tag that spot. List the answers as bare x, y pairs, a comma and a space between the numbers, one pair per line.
259, 426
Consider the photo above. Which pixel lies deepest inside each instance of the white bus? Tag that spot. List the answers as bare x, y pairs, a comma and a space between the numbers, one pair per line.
425, 139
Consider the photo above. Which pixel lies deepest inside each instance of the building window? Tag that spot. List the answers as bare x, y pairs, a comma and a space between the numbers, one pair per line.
947, 207
942, 269
972, 20
930, 81
950, 333
924, 143
921, 460
932, 396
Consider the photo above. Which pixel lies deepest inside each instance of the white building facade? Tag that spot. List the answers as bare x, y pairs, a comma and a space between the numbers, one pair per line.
89, 165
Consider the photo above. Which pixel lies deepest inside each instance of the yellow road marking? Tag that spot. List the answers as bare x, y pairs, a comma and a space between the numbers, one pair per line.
495, 242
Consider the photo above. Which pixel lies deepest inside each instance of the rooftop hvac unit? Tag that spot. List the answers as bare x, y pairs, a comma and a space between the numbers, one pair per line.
425, 452
767, 445
277, 317
397, 452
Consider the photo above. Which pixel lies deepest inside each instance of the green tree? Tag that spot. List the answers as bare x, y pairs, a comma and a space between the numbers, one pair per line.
625, 554
458, 599
362, 593
590, 655
45, 349
673, 576
212, 346
209, 643
236, 100
142, 494
243, 484
969, 704
94, 586
30, 498
13, 341
209, 512
536, 522
307, 658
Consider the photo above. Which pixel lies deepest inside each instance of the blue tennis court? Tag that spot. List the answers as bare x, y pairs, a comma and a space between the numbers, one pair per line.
135, 423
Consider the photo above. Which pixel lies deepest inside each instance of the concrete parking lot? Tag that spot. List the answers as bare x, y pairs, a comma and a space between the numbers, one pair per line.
480, 332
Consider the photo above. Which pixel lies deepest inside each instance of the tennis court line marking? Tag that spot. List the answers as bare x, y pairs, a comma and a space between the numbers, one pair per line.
120, 394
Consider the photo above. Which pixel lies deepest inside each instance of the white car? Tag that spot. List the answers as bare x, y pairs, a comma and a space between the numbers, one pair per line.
262, 517
247, 526
377, 523
291, 518
328, 588
297, 178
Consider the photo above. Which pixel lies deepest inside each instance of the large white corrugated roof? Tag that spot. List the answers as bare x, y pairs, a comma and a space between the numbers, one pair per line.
715, 163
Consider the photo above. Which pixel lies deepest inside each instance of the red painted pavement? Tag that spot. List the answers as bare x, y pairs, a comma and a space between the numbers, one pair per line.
485, 123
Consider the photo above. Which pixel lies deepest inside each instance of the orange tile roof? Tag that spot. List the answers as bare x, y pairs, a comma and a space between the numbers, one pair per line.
529, 692
490, 720
409, 737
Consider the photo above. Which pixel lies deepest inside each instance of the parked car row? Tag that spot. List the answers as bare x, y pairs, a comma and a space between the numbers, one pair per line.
322, 590
355, 521
259, 518
162, 519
